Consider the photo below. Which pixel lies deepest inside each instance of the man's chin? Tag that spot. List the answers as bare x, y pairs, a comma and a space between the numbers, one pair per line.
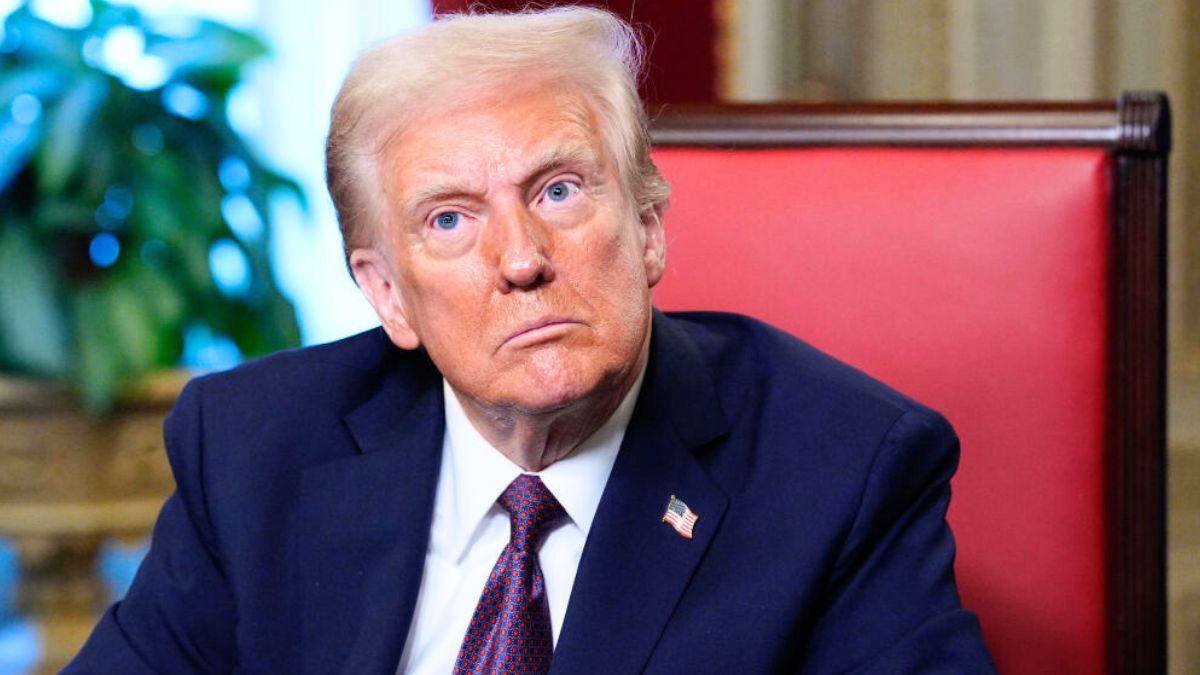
549, 400
535, 396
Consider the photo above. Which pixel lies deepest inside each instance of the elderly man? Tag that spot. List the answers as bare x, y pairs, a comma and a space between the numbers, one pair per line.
528, 468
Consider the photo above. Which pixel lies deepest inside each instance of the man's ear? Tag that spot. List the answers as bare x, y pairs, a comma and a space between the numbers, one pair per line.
654, 252
377, 281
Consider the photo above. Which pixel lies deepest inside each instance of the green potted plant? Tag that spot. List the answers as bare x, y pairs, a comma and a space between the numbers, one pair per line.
132, 214
133, 218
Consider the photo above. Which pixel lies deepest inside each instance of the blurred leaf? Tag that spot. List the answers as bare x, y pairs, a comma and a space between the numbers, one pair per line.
131, 324
166, 309
214, 46
32, 327
116, 338
154, 212
100, 160
218, 81
258, 329
192, 256
45, 81
162, 299
276, 184
41, 40
17, 144
283, 316
59, 215
100, 363
162, 190
159, 213
106, 16
203, 188
59, 157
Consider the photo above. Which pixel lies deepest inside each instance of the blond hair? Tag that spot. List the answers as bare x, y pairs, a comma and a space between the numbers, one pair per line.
460, 57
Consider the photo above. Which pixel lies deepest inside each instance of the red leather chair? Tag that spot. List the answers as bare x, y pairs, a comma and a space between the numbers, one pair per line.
1003, 264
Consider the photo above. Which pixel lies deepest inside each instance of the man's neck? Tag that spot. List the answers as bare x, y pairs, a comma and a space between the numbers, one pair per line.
533, 440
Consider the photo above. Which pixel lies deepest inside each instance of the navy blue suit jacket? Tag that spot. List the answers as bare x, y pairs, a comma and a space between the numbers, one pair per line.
296, 539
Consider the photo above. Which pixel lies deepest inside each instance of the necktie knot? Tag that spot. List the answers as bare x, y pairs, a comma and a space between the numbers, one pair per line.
510, 631
531, 508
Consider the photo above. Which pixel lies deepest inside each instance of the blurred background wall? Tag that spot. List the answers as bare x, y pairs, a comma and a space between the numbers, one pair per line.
746, 50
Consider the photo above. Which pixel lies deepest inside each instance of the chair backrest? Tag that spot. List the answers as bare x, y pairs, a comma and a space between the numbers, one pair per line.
1003, 264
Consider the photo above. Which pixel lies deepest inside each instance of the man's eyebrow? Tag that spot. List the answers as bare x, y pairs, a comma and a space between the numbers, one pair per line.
435, 192
559, 157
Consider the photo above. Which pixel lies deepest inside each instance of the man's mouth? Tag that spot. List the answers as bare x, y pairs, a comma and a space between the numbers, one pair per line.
539, 330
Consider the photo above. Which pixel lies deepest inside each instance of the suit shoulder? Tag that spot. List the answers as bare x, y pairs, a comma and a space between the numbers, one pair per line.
297, 397
755, 355
364, 352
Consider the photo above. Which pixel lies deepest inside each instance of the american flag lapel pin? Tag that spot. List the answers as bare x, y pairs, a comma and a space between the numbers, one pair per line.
680, 517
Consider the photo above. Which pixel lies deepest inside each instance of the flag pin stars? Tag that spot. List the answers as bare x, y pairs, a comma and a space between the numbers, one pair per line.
680, 517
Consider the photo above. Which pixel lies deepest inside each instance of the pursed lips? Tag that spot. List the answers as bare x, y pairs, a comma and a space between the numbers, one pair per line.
535, 331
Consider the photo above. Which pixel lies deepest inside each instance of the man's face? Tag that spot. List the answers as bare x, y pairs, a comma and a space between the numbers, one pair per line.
512, 253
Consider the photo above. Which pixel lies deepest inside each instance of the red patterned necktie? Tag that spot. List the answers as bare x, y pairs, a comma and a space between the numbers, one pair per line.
510, 629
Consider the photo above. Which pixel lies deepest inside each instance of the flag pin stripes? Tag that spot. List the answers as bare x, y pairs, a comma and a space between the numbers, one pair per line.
680, 517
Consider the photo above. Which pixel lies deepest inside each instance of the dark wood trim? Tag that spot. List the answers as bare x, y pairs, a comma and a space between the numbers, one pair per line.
1136, 131
1137, 480
1098, 125
1145, 120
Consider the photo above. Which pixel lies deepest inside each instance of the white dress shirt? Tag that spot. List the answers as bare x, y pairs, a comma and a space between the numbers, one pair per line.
470, 530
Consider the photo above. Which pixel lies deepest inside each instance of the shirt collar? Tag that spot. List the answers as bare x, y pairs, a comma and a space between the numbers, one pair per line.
474, 474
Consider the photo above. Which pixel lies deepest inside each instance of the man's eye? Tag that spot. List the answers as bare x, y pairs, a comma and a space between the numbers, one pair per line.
560, 191
448, 220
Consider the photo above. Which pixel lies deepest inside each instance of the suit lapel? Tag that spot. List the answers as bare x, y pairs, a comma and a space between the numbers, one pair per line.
635, 567
366, 521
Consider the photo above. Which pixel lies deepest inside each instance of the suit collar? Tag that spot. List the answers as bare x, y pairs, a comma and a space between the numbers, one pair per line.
364, 523
634, 567
683, 388
409, 383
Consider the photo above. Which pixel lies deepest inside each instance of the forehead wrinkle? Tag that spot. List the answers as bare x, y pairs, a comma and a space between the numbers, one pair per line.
577, 142
435, 181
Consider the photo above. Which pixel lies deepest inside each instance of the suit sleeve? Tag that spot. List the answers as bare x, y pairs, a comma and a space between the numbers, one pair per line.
893, 606
178, 616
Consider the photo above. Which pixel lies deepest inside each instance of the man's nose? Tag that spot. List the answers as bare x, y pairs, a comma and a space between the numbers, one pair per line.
520, 241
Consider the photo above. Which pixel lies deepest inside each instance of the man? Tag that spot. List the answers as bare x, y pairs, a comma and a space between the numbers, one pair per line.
527, 467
